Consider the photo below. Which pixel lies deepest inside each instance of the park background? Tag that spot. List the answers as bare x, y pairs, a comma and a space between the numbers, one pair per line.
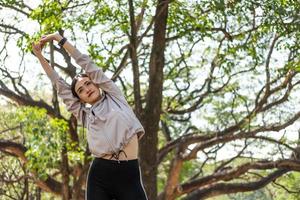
215, 84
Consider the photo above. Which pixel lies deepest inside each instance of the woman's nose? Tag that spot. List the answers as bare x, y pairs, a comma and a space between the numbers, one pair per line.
87, 91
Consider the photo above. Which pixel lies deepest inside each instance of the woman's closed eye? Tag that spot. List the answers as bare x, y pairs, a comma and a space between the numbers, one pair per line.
87, 83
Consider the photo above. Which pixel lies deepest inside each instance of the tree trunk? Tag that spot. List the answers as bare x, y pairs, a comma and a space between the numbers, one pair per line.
65, 174
151, 117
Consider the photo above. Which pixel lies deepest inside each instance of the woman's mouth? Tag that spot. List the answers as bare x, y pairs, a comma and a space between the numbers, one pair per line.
90, 94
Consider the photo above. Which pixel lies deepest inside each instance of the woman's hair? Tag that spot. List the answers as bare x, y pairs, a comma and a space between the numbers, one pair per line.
74, 81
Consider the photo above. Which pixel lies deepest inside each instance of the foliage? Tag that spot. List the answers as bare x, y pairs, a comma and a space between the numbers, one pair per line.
287, 186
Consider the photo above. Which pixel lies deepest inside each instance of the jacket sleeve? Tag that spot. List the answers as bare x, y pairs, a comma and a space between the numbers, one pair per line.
64, 91
97, 75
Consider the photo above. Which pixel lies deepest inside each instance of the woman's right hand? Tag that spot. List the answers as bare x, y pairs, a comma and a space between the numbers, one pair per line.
37, 49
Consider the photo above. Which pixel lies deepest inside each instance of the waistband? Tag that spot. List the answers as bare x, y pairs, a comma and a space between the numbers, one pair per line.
103, 160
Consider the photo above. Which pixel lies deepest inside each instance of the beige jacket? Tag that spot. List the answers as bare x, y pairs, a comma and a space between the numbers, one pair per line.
111, 123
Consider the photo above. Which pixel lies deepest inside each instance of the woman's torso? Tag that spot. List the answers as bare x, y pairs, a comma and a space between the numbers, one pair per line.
131, 151
113, 129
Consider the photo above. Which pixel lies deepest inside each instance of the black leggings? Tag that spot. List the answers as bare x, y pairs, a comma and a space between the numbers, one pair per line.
118, 180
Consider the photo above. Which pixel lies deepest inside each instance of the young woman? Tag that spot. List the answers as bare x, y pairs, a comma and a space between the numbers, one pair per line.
113, 128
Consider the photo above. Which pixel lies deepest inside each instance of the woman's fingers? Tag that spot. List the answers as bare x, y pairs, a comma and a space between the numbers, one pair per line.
47, 38
36, 48
42, 45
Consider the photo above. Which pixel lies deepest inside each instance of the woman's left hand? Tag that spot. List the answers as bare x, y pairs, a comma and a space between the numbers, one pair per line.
50, 37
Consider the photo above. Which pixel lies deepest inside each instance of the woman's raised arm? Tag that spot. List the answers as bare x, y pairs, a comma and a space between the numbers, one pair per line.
64, 91
37, 50
94, 72
57, 37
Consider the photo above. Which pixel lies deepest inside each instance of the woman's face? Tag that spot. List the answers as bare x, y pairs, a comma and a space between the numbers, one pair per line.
87, 91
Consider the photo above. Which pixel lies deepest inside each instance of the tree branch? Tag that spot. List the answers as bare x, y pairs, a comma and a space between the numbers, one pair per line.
228, 188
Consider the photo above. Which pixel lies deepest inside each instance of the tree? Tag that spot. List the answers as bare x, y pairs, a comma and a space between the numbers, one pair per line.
208, 77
